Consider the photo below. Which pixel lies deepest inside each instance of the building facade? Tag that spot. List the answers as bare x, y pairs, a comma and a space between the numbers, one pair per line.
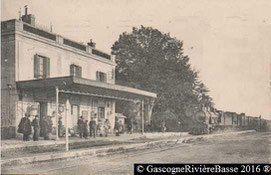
45, 74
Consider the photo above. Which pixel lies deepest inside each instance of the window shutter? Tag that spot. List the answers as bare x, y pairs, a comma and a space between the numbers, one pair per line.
105, 77
79, 71
72, 70
113, 74
97, 75
36, 66
47, 67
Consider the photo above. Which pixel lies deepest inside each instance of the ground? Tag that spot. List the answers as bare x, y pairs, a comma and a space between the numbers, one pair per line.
242, 148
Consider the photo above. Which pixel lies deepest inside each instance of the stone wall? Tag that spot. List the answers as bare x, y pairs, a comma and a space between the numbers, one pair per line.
9, 94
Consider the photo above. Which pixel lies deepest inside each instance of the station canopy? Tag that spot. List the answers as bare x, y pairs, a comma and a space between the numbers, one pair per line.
82, 86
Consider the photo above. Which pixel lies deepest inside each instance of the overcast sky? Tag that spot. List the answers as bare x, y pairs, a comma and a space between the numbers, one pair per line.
229, 42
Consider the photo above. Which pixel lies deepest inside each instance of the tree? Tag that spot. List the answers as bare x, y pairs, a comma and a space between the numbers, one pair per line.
203, 98
155, 62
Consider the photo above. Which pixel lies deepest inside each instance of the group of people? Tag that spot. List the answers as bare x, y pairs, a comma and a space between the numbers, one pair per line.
25, 127
92, 128
85, 128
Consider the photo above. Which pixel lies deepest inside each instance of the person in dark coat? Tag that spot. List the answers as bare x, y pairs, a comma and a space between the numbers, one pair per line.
46, 127
130, 125
92, 128
60, 127
99, 128
36, 126
118, 127
107, 127
86, 131
50, 122
80, 125
25, 127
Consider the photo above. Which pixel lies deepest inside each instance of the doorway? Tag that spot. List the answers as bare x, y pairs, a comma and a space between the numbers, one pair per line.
43, 112
74, 116
101, 114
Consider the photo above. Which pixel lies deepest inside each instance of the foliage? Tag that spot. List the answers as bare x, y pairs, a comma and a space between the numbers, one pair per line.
154, 61
128, 109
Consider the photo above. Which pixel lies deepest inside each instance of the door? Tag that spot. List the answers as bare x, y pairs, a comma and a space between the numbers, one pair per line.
101, 113
43, 112
75, 116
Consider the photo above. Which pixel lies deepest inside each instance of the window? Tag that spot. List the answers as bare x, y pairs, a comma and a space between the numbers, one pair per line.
113, 74
74, 114
41, 66
75, 109
100, 76
76, 70
101, 113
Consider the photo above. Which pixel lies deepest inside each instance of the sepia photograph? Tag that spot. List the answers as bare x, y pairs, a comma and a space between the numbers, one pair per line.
135, 87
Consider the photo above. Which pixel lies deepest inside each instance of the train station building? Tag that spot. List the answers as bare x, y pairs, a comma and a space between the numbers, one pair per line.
45, 74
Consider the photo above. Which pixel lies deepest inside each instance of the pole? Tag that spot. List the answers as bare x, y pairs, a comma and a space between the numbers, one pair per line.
260, 118
66, 124
142, 116
57, 112
8, 106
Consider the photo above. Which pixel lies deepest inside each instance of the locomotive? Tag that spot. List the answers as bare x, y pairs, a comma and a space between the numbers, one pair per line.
205, 122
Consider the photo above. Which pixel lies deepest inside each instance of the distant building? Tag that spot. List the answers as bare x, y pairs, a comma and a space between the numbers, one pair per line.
43, 71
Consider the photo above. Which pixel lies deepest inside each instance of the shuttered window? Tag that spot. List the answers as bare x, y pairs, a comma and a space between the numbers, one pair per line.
75, 70
41, 67
100, 76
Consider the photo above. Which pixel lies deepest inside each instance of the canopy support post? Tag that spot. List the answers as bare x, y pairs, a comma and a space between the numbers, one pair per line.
57, 112
142, 116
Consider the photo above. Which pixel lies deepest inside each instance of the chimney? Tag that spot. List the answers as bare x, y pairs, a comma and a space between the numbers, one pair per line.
20, 15
28, 18
51, 27
91, 44
25, 7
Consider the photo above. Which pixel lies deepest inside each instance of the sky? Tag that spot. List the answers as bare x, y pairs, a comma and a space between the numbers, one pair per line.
229, 42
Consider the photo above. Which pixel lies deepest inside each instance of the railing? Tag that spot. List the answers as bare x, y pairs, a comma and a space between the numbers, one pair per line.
74, 44
101, 54
67, 42
39, 32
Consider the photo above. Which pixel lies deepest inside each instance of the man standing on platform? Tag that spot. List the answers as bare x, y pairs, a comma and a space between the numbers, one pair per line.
25, 127
80, 125
92, 128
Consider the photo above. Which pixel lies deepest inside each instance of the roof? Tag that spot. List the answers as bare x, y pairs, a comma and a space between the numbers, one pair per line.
53, 37
82, 86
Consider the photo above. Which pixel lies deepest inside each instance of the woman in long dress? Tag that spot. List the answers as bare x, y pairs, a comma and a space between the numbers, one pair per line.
36, 126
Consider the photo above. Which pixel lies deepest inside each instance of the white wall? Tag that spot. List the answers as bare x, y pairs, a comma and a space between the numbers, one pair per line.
60, 60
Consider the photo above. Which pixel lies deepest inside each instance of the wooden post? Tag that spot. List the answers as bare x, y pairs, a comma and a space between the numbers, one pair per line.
66, 126
224, 118
260, 119
142, 116
57, 112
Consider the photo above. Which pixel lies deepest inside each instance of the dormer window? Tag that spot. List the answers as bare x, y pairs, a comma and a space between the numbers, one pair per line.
75, 70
